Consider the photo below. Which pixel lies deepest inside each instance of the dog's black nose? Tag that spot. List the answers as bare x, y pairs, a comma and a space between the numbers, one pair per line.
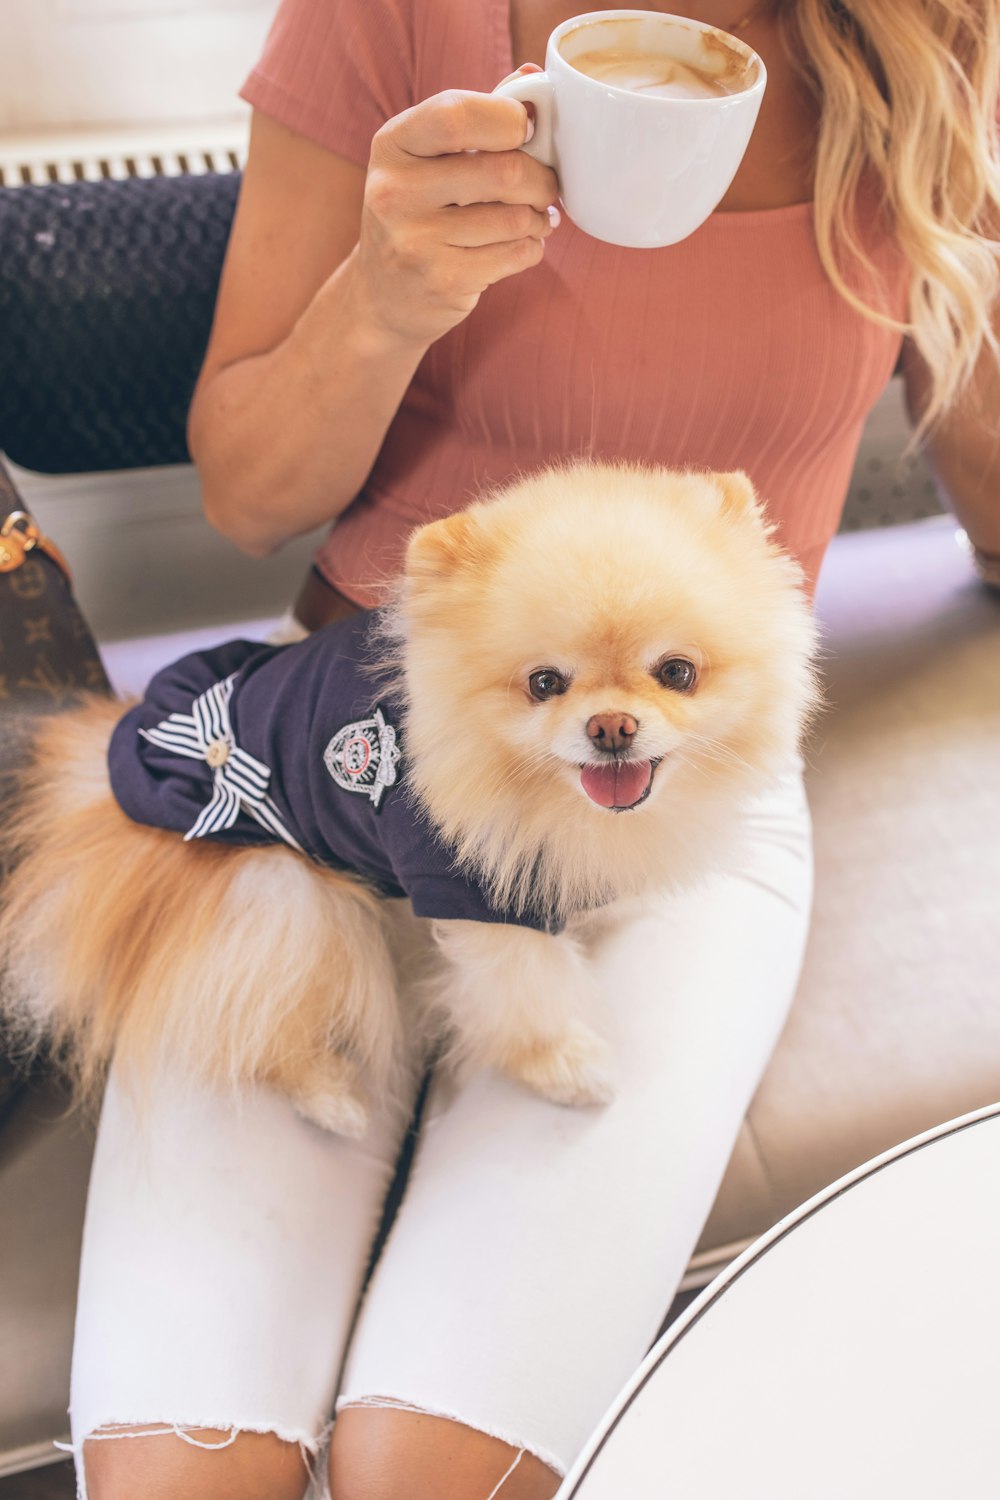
612, 731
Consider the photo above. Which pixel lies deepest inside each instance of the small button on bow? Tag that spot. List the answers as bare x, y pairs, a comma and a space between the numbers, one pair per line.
217, 753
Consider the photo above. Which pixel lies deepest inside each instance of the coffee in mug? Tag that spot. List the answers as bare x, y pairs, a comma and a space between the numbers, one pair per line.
645, 118
645, 73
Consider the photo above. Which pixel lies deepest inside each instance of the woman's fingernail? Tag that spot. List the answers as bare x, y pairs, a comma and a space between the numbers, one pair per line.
555, 217
530, 131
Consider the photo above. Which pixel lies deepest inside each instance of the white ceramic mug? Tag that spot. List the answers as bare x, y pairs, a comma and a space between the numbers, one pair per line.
636, 169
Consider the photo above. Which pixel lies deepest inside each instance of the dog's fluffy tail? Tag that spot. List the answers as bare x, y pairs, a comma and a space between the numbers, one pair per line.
236, 965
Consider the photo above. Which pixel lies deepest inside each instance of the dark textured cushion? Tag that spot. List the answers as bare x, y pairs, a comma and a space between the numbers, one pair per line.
106, 298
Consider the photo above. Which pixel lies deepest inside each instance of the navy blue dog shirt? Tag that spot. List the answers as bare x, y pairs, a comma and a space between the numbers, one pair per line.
256, 744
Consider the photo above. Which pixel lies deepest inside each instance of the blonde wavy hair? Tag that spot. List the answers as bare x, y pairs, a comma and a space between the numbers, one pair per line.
909, 93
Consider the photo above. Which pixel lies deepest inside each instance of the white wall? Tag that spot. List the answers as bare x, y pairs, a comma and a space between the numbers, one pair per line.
66, 64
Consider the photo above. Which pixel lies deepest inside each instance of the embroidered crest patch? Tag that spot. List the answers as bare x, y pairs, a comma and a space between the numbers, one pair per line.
362, 757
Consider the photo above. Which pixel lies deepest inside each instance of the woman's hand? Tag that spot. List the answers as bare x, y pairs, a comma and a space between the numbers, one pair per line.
451, 205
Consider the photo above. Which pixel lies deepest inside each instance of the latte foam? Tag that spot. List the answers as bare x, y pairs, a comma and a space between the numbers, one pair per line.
650, 73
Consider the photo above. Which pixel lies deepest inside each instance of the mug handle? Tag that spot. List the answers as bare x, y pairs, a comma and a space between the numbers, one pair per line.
536, 89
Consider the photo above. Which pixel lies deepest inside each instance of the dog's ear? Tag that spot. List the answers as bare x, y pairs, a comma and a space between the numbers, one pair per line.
739, 498
442, 547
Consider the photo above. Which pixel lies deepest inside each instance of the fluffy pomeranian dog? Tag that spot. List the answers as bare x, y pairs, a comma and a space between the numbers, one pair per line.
578, 685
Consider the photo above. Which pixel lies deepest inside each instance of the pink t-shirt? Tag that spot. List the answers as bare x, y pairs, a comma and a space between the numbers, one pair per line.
731, 349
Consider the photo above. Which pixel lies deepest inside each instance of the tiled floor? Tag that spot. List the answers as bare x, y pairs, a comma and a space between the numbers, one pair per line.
53, 1483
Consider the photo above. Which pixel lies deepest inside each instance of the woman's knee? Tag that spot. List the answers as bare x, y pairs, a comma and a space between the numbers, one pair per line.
384, 1453
168, 1465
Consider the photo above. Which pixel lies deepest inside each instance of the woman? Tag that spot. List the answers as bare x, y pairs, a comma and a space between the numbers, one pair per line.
402, 319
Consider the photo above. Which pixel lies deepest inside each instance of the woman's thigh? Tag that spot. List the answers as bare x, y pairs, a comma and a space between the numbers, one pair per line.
224, 1248
538, 1248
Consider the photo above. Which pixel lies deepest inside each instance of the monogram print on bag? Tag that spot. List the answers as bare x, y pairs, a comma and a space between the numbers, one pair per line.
46, 681
28, 581
36, 631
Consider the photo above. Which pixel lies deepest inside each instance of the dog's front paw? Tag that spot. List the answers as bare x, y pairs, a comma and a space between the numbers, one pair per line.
572, 1068
334, 1098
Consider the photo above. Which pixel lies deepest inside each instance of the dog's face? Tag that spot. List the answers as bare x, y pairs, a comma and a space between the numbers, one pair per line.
606, 707
594, 632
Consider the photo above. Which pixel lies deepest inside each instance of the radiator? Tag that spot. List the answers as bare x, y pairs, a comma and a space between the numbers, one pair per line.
145, 152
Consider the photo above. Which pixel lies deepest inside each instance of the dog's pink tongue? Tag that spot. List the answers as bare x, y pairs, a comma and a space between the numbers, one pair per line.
616, 783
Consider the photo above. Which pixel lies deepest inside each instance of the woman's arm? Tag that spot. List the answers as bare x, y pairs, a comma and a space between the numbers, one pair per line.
963, 448
335, 284
282, 306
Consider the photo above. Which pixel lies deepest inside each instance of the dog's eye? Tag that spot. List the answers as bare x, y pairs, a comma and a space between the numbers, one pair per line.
677, 673
546, 683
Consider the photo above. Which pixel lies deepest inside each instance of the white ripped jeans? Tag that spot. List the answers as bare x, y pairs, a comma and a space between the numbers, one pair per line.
536, 1250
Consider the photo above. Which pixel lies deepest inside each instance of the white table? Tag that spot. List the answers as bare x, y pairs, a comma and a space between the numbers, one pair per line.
852, 1353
